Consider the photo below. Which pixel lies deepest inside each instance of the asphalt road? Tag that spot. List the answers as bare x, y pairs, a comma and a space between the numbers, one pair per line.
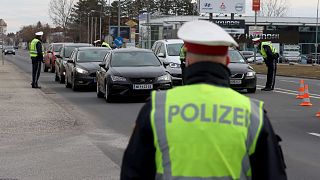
298, 126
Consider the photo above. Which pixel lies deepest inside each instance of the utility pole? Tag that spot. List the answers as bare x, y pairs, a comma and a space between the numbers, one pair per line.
91, 30
255, 26
316, 45
95, 28
119, 2
88, 30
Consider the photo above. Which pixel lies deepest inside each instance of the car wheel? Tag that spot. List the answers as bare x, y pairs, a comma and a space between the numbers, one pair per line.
45, 69
99, 93
56, 77
66, 82
251, 90
62, 78
107, 96
74, 86
14, 53
53, 69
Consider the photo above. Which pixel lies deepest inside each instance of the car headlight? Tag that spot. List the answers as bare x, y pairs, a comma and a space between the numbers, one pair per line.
251, 74
118, 78
81, 71
166, 77
5, 50
174, 65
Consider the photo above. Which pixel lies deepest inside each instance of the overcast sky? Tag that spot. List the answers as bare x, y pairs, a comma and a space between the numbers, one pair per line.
18, 13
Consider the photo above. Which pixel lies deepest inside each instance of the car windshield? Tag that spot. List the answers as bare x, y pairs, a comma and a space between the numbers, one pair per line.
174, 49
57, 47
92, 55
235, 57
68, 50
134, 59
9, 47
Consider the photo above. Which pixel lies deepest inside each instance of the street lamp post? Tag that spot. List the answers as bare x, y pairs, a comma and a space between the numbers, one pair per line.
316, 45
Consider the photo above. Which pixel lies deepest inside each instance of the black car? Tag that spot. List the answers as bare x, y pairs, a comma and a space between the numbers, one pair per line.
63, 57
243, 75
82, 66
8, 50
131, 72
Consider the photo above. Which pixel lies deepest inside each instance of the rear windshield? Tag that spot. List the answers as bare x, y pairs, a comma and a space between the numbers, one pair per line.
92, 55
57, 47
134, 59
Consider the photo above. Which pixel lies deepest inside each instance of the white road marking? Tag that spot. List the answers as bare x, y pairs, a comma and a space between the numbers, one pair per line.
314, 134
291, 92
290, 81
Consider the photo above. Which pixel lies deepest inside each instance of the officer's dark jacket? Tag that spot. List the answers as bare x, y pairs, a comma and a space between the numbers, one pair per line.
139, 158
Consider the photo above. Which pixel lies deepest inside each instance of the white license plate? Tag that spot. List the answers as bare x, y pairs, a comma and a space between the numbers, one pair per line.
233, 81
142, 86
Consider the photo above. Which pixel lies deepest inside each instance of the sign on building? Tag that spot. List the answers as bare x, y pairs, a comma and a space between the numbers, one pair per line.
256, 30
222, 6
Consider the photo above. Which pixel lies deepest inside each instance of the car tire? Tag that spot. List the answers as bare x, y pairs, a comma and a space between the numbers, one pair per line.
14, 53
52, 68
62, 78
66, 82
107, 96
251, 90
56, 78
45, 69
99, 93
73, 85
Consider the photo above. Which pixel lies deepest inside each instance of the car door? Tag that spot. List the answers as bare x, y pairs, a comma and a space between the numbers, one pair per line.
162, 50
99, 72
104, 74
70, 66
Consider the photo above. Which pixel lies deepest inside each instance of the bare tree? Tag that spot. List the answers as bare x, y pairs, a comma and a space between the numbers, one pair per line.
274, 8
59, 12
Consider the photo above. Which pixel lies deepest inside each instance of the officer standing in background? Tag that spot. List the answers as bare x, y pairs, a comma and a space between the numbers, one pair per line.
183, 62
36, 55
270, 56
204, 130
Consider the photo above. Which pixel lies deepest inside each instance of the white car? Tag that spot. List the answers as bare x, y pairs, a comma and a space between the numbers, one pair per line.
168, 51
259, 59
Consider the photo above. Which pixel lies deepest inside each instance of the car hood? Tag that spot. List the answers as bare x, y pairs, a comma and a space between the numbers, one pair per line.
239, 68
174, 59
89, 66
139, 72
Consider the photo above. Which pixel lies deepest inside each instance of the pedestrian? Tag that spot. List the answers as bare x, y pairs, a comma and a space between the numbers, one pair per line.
270, 56
183, 62
36, 54
203, 130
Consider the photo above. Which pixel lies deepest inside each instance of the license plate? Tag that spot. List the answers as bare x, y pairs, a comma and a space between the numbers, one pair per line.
233, 81
142, 86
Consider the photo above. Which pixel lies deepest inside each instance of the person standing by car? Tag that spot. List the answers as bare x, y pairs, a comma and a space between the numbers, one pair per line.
270, 56
183, 61
216, 133
36, 54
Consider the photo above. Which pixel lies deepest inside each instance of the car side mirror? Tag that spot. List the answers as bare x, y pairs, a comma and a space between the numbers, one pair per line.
165, 64
162, 55
58, 56
70, 61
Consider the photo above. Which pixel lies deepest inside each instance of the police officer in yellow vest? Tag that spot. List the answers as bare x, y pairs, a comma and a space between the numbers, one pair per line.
203, 130
36, 54
270, 56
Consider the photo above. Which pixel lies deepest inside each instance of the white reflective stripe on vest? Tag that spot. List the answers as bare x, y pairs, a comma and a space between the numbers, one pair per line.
160, 125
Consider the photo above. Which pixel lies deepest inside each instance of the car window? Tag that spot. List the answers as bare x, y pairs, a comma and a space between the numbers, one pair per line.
174, 49
68, 50
73, 55
162, 49
56, 47
134, 59
154, 46
236, 57
91, 55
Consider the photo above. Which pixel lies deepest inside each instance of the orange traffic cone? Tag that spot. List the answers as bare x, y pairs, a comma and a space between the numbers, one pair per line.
301, 90
306, 97
318, 114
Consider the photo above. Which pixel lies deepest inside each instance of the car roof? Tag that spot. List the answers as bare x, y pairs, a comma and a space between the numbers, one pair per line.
76, 44
132, 50
92, 48
171, 41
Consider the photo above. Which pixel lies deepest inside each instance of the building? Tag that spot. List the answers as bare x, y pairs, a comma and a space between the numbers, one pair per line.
3, 26
281, 31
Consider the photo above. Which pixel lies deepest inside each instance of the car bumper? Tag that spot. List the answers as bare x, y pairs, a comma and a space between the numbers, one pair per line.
246, 83
121, 89
85, 81
9, 52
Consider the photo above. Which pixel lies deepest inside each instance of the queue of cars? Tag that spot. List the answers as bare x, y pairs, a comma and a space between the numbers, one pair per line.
132, 71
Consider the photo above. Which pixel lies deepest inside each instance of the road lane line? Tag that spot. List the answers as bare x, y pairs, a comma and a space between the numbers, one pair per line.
314, 134
289, 81
290, 92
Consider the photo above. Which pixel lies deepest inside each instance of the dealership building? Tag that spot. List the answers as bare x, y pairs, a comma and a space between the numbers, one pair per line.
281, 31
